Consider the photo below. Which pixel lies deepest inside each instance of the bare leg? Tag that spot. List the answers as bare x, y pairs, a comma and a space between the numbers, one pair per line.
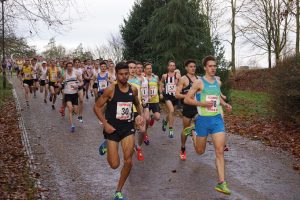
170, 116
219, 143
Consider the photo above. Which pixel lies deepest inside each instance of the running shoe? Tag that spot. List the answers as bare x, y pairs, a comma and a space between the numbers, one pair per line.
103, 148
62, 111
188, 130
139, 154
72, 129
119, 196
164, 125
45, 101
80, 119
182, 155
146, 139
53, 107
50, 98
151, 123
223, 188
171, 133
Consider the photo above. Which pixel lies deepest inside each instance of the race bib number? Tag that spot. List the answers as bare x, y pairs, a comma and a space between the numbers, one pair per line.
153, 91
102, 84
214, 99
144, 91
72, 86
171, 88
27, 75
124, 110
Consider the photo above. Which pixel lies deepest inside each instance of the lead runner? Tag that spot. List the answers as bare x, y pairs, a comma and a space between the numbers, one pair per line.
118, 122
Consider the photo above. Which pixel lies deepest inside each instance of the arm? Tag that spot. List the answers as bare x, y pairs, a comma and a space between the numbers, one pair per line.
137, 101
162, 85
179, 87
190, 96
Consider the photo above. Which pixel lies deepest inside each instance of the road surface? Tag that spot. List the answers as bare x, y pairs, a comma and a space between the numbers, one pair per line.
69, 166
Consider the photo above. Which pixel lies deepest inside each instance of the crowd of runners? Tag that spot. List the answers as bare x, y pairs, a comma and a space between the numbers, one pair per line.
127, 102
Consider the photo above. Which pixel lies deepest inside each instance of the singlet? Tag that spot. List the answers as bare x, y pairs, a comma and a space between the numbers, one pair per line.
145, 90
136, 83
119, 110
43, 73
71, 83
210, 92
53, 74
89, 71
35, 71
102, 82
27, 71
188, 87
78, 71
170, 85
153, 89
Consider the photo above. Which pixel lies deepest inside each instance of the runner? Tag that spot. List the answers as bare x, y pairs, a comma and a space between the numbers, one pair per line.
209, 119
100, 80
133, 80
71, 82
188, 111
79, 72
145, 99
167, 91
27, 74
42, 74
35, 68
63, 69
118, 122
153, 103
111, 72
53, 73
87, 75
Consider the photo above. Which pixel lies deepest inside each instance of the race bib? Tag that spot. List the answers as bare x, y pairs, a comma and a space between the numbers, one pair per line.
27, 75
124, 110
144, 91
171, 88
153, 91
102, 84
54, 76
72, 86
214, 99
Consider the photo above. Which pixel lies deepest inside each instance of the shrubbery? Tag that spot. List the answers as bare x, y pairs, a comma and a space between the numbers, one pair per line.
286, 89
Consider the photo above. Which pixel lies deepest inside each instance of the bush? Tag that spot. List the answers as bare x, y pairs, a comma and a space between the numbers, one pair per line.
286, 90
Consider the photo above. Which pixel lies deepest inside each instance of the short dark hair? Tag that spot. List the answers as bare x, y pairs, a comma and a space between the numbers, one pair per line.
76, 59
130, 61
146, 64
171, 61
68, 64
138, 63
208, 58
121, 65
103, 63
189, 61
33, 59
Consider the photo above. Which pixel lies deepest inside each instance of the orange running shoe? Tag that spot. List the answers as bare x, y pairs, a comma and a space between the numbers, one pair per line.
140, 155
146, 139
183, 155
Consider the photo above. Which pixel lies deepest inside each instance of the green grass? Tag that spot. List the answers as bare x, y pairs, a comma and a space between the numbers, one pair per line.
5, 94
245, 103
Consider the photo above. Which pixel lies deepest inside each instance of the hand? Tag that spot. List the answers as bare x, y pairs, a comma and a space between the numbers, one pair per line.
139, 120
109, 129
228, 107
208, 104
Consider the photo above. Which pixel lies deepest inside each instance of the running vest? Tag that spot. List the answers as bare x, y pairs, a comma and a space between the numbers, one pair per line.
170, 85
78, 71
35, 71
188, 87
210, 92
136, 83
119, 109
102, 82
43, 73
145, 90
153, 89
27, 71
71, 83
53, 74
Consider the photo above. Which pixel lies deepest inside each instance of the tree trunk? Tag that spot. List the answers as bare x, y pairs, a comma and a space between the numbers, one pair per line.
233, 35
298, 29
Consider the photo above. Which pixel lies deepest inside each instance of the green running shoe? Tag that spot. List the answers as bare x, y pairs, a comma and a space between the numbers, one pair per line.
119, 196
188, 130
223, 188
164, 125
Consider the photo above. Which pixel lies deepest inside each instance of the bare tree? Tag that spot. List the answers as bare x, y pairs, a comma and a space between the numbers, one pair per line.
267, 26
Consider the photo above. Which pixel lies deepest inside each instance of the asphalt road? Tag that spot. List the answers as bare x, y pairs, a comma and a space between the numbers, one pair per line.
69, 166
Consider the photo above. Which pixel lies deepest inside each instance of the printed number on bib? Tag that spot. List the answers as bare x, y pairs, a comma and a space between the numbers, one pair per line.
214, 99
153, 90
27, 75
124, 110
171, 88
102, 84
144, 91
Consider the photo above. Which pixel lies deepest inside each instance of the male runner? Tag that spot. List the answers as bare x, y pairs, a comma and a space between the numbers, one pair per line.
42, 73
153, 102
27, 74
100, 80
71, 83
78, 70
188, 111
118, 122
35, 68
87, 75
168, 86
209, 119
53, 73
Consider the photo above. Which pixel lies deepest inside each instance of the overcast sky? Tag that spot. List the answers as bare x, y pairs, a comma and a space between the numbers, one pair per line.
100, 18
